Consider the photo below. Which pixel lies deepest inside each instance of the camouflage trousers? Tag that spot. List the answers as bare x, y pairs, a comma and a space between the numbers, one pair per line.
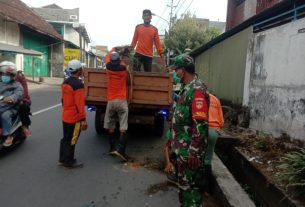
189, 184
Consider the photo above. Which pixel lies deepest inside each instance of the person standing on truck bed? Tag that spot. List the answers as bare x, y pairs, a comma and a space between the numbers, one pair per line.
117, 107
145, 35
190, 131
73, 114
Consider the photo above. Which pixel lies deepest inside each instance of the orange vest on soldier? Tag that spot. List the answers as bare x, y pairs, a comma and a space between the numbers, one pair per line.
215, 113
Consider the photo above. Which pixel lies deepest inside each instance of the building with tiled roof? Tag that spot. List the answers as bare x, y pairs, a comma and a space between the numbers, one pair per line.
24, 36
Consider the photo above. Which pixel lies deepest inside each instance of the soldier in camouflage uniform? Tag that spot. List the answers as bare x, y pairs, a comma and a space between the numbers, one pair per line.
189, 131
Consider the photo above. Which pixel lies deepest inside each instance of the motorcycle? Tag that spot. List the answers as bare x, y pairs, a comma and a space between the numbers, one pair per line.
16, 131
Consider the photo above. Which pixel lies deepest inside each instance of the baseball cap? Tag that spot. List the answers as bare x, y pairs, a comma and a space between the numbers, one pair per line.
114, 56
74, 65
146, 12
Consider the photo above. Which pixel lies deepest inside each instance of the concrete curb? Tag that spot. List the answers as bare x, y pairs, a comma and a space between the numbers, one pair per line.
230, 192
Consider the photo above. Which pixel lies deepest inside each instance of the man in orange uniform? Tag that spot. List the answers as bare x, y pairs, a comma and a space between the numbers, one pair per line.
117, 107
73, 115
144, 37
216, 122
107, 57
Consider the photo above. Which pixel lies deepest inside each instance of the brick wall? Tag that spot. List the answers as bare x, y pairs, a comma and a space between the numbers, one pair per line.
238, 11
265, 4
235, 14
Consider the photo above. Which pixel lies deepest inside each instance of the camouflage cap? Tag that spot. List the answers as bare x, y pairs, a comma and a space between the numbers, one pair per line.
183, 60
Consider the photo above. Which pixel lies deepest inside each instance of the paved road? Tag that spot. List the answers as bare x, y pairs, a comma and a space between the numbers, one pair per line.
30, 177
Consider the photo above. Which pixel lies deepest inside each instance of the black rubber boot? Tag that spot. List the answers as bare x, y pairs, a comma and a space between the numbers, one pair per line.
208, 179
62, 154
122, 143
71, 162
122, 147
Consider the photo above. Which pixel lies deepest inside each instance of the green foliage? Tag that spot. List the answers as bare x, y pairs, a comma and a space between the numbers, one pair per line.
262, 142
187, 33
292, 172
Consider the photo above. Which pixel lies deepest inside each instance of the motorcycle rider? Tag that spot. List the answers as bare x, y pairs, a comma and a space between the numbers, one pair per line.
25, 105
12, 92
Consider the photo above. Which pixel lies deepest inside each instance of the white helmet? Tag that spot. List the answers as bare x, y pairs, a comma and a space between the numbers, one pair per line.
8, 67
74, 65
114, 56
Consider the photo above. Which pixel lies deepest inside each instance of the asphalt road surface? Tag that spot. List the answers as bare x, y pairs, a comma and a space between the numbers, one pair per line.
30, 176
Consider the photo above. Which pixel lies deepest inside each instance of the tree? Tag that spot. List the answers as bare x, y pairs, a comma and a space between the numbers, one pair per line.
187, 33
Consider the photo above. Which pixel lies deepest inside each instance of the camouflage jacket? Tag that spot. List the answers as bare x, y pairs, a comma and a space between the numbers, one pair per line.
190, 120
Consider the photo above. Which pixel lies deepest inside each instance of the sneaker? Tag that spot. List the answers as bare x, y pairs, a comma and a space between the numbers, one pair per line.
121, 155
172, 177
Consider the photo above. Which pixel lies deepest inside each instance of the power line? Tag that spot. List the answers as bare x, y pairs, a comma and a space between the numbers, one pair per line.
188, 6
180, 7
161, 15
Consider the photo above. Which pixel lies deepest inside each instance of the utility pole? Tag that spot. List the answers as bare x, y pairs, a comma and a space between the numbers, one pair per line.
171, 22
171, 14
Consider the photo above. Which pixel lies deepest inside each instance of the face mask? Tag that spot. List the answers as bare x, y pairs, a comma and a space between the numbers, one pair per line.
5, 79
176, 78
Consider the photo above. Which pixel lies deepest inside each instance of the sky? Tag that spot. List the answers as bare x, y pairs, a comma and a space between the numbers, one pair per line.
112, 22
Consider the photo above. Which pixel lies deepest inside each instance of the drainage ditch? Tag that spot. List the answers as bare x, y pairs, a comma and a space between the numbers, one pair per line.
263, 192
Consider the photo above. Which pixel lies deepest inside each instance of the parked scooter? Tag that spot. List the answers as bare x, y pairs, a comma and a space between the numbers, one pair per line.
16, 131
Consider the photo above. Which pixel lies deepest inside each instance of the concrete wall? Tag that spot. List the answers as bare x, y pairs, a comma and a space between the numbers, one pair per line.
57, 61
238, 13
71, 35
276, 75
222, 67
249, 9
58, 14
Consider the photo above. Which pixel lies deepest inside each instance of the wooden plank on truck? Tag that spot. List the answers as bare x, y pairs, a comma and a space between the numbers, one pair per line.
95, 85
146, 88
151, 88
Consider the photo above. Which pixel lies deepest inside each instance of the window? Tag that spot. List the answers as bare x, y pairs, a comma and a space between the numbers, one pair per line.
73, 16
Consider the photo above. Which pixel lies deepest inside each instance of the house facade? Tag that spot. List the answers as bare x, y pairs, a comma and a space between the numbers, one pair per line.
76, 38
26, 39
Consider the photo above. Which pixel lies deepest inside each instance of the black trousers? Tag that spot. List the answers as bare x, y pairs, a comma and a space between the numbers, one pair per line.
140, 59
67, 143
24, 114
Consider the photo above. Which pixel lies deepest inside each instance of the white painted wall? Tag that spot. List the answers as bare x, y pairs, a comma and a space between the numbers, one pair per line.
71, 35
19, 61
275, 80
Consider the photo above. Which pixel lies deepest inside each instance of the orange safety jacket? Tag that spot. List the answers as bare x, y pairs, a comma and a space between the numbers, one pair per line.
116, 77
144, 37
73, 100
215, 113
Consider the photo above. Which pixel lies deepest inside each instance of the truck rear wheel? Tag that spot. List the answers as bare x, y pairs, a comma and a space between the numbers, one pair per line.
99, 121
159, 125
